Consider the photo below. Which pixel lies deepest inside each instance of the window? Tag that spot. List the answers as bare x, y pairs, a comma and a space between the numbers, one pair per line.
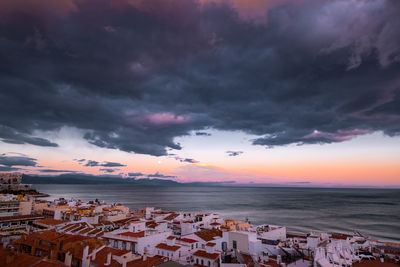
197, 261
209, 263
224, 246
202, 262
234, 244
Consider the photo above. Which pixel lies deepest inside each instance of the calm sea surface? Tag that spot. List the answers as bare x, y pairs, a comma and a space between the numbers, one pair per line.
373, 212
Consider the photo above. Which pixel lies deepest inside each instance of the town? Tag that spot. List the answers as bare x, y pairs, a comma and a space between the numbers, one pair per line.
71, 232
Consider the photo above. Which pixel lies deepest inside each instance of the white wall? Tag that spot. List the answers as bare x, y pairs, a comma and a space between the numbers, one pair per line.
276, 234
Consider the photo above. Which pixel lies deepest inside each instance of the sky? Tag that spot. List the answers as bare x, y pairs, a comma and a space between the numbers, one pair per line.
283, 92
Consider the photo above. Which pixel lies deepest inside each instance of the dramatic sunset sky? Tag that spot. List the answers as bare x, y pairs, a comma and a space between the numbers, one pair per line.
286, 92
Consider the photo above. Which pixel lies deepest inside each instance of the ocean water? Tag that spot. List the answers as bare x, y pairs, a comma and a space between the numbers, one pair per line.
373, 212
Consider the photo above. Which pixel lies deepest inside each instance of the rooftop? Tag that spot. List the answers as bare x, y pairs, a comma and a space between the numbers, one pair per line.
204, 254
167, 247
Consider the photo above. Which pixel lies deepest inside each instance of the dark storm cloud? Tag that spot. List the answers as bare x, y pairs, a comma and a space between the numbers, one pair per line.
11, 161
11, 136
232, 153
134, 77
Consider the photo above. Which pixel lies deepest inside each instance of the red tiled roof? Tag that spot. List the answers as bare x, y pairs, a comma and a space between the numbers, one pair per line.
94, 232
50, 221
167, 247
86, 230
136, 221
171, 237
204, 254
149, 262
120, 252
188, 240
210, 244
343, 237
171, 216
20, 217
208, 235
22, 259
101, 255
130, 234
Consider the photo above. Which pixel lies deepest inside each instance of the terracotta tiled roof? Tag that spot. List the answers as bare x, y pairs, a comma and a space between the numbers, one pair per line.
149, 262
204, 254
49, 263
75, 238
86, 230
19, 260
152, 225
171, 237
20, 217
50, 221
136, 221
210, 244
101, 255
171, 216
22, 259
121, 252
208, 235
167, 247
188, 240
343, 237
130, 234
95, 231
99, 234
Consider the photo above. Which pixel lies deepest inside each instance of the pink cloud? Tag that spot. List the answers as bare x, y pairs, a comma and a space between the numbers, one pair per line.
157, 119
166, 118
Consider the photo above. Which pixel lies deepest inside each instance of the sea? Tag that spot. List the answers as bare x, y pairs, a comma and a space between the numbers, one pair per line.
372, 212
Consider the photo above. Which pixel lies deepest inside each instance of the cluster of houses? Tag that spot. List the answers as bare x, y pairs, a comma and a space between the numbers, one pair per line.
92, 234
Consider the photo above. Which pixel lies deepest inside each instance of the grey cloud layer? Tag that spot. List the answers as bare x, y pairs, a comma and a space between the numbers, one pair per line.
11, 161
93, 163
134, 78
